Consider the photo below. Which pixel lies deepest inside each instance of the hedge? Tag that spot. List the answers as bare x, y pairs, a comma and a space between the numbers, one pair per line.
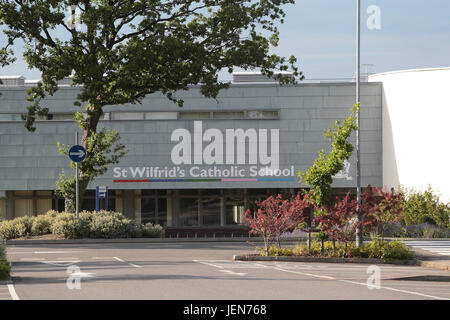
102, 224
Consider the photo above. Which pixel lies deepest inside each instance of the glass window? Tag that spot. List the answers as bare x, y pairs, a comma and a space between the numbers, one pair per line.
210, 191
89, 204
188, 212
188, 192
161, 116
5, 117
262, 114
148, 210
23, 193
194, 115
234, 212
161, 193
62, 116
58, 204
257, 192
148, 192
211, 211
229, 115
127, 115
10, 117
162, 211
234, 206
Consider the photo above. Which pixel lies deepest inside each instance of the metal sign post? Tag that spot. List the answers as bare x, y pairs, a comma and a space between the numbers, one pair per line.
77, 154
76, 181
101, 192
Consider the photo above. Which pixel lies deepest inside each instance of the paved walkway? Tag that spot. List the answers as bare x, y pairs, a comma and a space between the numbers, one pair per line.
5, 292
441, 247
431, 253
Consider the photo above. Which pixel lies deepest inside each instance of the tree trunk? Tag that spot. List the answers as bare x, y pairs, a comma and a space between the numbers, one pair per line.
91, 122
359, 233
309, 240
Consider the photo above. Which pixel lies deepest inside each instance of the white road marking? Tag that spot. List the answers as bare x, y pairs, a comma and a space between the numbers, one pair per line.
363, 284
328, 278
208, 264
398, 290
40, 252
61, 263
82, 275
131, 264
31, 259
234, 273
12, 292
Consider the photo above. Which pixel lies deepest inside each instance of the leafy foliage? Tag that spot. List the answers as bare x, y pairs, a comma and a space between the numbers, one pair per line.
102, 224
376, 249
102, 150
380, 207
125, 50
276, 216
338, 221
320, 175
425, 207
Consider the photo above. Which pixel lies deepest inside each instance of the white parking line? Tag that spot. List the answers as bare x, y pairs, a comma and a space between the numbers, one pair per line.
398, 290
12, 292
326, 278
40, 252
131, 264
234, 273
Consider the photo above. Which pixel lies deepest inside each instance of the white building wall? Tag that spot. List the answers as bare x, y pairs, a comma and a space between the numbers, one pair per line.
416, 129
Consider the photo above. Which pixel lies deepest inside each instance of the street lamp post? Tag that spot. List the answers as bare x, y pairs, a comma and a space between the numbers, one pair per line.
358, 94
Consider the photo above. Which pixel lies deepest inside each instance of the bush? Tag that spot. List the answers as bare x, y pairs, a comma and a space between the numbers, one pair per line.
431, 232
41, 225
386, 250
65, 225
106, 224
5, 266
425, 207
151, 230
102, 224
11, 229
329, 251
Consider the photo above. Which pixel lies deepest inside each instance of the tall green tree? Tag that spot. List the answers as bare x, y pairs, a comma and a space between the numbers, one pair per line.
123, 50
320, 175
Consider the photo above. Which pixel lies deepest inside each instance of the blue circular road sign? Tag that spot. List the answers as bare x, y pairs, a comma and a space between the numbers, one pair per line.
77, 153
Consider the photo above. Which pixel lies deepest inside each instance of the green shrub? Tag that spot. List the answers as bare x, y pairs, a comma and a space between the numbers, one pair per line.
386, 250
106, 224
84, 224
5, 268
11, 229
102, 224
151, 230
278, 252
329, 251
432, 232
65, 225
425, 207
41, 225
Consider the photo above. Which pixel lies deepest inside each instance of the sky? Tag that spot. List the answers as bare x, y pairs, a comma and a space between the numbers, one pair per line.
321, 34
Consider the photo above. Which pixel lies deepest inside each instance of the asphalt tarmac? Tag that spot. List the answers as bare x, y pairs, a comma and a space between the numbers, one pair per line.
204, 271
